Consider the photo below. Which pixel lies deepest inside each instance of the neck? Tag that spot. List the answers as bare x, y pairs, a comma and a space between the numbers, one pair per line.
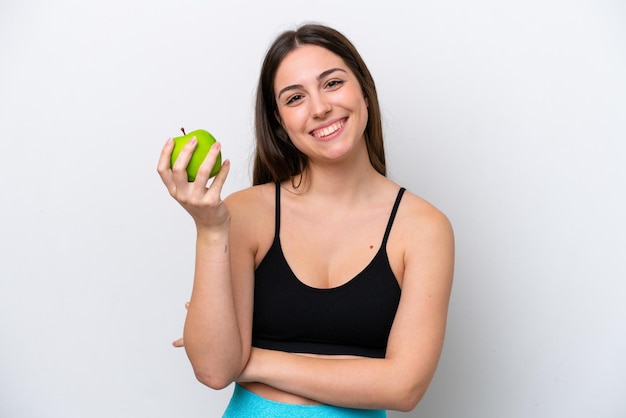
337, 182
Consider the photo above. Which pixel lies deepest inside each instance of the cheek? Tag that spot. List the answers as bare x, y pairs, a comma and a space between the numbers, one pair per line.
363, 109
292, 119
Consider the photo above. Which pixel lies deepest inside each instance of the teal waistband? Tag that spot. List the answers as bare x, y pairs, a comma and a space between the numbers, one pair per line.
245, 404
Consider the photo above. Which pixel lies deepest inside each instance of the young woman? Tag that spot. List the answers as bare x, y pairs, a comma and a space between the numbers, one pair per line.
323, 289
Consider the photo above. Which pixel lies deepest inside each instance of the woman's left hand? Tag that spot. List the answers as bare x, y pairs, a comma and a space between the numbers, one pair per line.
180, 342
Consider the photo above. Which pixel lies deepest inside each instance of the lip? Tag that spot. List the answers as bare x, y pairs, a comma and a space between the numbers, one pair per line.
338, 126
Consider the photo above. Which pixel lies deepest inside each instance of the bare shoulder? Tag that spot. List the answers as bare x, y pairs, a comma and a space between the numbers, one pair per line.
425, 237
418, 216
251, 199
423, 252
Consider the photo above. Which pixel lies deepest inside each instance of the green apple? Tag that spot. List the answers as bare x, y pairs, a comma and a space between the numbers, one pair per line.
205, 141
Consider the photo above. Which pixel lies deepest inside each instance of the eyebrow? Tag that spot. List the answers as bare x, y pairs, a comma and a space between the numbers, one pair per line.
319, 77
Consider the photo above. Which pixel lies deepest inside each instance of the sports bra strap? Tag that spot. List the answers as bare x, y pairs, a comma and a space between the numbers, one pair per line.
393, 215
277, 217
389, 224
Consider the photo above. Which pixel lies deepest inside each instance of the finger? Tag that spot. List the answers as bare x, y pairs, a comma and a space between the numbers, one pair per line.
163, 166
204, 171
182, 161
220, 178
180, 342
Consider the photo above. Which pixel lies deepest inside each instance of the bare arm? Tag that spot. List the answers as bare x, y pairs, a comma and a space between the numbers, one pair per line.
213, 339
400, 379
215, 332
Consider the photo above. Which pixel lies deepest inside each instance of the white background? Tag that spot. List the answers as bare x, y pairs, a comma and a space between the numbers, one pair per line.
508, 116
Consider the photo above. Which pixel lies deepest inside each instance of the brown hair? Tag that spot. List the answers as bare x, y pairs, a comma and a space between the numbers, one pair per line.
276, 158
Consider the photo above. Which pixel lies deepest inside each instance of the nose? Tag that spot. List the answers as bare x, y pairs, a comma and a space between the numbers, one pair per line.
319, 106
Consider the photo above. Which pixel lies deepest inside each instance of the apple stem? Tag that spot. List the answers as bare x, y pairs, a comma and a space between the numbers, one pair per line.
183, 129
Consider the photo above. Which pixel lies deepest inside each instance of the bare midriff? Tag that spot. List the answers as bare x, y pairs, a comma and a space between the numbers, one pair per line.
277, 395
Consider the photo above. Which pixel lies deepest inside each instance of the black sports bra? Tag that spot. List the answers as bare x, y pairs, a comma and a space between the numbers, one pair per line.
354, 318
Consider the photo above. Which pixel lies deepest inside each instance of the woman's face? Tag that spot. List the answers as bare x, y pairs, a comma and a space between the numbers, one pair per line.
320, 104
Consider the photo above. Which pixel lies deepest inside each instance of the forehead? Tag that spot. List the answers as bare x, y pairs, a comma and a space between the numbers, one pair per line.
305, 63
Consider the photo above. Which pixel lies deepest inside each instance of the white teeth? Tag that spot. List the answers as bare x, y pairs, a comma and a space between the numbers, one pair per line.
328, 130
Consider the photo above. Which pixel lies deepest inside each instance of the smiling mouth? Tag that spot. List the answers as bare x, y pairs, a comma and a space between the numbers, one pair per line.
329, 130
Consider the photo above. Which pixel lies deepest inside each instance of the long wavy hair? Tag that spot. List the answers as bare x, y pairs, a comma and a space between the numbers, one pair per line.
276, 158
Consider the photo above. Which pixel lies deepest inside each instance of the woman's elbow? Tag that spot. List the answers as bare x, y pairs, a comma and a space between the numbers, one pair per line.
215, 381
215, 378
216, 374
408, 402
407, 396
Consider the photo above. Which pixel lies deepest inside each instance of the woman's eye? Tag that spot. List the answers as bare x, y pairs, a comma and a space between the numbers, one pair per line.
293, 99
334, 83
